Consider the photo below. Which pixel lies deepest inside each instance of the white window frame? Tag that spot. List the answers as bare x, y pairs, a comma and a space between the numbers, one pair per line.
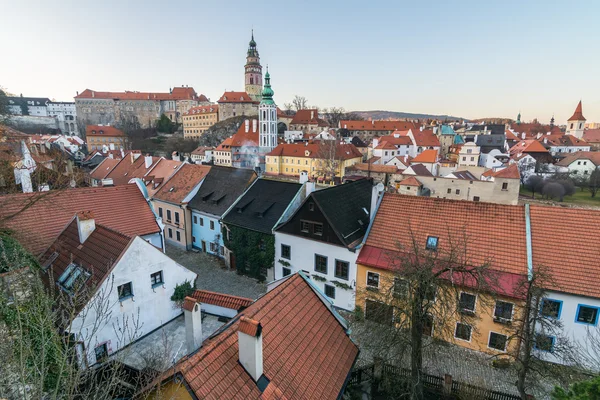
474, 305
470, 332
367, 279
497, 333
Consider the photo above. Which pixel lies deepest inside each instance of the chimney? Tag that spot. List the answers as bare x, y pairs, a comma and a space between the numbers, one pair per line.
254, 125
523, 135
134, 155
421, 128
122, 153
111, 146
93, 94
250, 347
110, 155
148, 161
247, 125
85, 225
303, 178
375, 142
193, 324
376, 192
312, 114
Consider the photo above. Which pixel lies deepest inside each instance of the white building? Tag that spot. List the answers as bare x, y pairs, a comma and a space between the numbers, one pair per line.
581, 163
267, 119
576, 124
66, 115
131, 281
468, 155
36, 106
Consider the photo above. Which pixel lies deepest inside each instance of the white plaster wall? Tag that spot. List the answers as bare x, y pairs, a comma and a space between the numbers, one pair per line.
303, 258
581, 167
219, 311
154, 239
151, 306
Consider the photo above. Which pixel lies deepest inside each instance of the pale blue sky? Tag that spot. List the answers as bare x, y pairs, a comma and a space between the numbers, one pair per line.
466, 58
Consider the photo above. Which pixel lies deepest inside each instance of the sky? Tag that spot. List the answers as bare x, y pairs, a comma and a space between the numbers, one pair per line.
471, 59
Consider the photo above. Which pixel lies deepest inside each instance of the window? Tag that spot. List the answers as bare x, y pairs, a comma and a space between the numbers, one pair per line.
341, 269
505, 186
320, 263
372, 279
430, 293
497, 341
286, 271
101, 352
160, 212
176, 217
195, 220
503, 311
156, 279
304, 226
201, 221
125, 291
449, 191
168, 215
457, 191
587, 315
475, 198
72, 275
212, 225
551, 308
466, 302
286, 251
544, 342
400, 287
318, 229
330, 291
178, 236
432, 243
170, 233
463, 331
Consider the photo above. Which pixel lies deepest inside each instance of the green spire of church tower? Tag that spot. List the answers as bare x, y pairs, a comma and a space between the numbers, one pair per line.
267, 93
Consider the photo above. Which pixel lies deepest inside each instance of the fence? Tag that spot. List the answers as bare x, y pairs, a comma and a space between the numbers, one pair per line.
434, 386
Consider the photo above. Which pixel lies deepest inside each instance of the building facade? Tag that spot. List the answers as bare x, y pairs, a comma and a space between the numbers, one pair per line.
234, 104
198, 119
267, 119
100, 136
66, 114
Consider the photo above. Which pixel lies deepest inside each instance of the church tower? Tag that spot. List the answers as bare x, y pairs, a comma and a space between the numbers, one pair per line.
253, 69
576, 124
267, 118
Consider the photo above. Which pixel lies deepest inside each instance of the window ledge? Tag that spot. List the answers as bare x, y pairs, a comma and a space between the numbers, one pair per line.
373, 288
157, 285
502, 321
122, 299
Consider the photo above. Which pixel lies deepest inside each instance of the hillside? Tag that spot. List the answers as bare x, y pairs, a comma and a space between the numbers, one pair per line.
380, 114
221, 130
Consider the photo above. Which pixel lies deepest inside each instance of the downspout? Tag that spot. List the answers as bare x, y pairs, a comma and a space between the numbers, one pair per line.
528, 242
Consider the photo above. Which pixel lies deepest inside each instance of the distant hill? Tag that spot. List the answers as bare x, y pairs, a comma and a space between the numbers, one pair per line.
380, 114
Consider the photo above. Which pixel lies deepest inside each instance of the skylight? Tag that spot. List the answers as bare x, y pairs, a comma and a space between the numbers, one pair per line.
72, 273
432, 243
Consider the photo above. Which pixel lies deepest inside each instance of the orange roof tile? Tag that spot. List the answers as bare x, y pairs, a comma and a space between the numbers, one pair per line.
130, 167
307, 353
236, 97
379, 168
425, 138
249, 326
178, 93
209, 109
343, 151
427, 156
411, 181
510, 136
593, 156
527, 146
221, 299
225, 145
385, 145
105, 131
397, 138
160, 173
578, 114
176, 189
510, 172
592, 135
188, 303
104, 168
378, 125
43, 217
308, 116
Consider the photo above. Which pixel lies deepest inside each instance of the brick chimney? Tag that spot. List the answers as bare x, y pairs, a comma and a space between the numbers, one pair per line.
85, 225
193, 324
250, 346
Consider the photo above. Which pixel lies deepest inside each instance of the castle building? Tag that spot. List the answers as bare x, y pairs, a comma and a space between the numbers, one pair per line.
576, 124
267, 118
253, 78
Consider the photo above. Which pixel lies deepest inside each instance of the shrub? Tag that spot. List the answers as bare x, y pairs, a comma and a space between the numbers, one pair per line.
181, 291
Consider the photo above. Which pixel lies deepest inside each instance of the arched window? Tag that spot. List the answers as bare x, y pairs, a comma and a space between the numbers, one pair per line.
264, 114
252, 80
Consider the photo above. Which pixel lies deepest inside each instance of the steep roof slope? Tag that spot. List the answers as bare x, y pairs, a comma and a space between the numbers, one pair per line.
38, 218
262, 205
104, 168
221, 188
307, 353
179, 186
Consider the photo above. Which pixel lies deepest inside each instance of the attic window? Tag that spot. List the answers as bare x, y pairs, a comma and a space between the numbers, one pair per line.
170, 190
72, 273
432, 243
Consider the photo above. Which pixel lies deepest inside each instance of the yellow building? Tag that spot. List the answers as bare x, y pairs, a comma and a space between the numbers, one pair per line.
472, 318
98, 136
319, 159
198, 119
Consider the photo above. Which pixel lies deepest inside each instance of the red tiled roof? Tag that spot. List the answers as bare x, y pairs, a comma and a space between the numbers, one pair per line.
510, 172
562, 140
307, 353
181, 184
385, 145
411, 181
249, 326
243, 138
533, 128
527, 146
510, 136
592, 135
380, 168
397, 138
43, 216
104, 131
178, 93
130, 167
593, 156
104, 168
161, 171
221, 299
236, 97
427, 156
573, 264
378, 125
212, 108
309, 116
201, 150
225, 145
315, 150
486, 226
425, 138
578, 114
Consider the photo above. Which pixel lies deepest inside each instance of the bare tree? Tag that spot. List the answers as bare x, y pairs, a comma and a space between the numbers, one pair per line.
288, 109
329, 160
426, 285
299, 103
533, 183
594, 182
334, 115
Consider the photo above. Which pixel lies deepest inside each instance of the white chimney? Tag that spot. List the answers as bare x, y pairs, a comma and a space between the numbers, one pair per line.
134, 155
85, 225
247, 123
254, 125
376, 191
421, 128
375, 142
111, 155
250, 346
192, 312
523, 135
93, 94
148, 161
303, 178
312, 115
122, 153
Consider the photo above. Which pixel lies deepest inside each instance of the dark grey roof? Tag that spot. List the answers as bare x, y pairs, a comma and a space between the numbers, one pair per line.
494, 140
494, 128
464, 175
420, 170
32, 101
356, 141
262, 205
346, 207
221, 188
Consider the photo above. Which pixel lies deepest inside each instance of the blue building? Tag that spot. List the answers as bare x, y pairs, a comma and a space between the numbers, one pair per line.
220, 189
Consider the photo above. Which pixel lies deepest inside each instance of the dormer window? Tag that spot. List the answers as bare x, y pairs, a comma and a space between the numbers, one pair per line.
432, 243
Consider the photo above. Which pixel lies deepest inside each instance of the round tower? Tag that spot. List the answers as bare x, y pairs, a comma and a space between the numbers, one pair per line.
253, 74
267, 118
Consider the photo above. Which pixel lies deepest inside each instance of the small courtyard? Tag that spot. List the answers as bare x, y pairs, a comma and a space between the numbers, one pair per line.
214, 276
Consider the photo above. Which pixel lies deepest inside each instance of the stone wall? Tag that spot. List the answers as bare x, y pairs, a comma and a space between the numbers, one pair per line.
228, 110
33, 124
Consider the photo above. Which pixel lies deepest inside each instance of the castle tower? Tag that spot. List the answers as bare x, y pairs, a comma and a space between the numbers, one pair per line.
267, 118
576, 124
253, 69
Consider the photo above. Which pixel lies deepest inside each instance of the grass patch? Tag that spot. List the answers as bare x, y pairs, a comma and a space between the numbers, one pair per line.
583, 198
